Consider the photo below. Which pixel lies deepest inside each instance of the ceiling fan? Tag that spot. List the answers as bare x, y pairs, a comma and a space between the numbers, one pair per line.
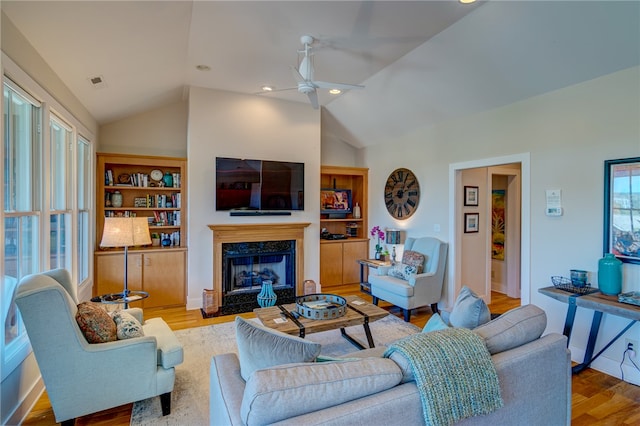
304, 75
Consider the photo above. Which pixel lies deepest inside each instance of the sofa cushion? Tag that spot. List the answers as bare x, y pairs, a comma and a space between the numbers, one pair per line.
95, 323
413, 258
435, 323
262, 347
286, 391
513, 328
170, 350
127, 326
469, 310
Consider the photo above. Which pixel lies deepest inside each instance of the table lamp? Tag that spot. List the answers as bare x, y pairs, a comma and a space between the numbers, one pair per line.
125, 232
393, 237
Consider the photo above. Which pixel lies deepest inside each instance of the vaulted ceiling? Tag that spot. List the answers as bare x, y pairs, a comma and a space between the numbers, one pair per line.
421, 61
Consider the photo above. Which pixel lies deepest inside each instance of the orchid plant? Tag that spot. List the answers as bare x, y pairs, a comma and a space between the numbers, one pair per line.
379, 233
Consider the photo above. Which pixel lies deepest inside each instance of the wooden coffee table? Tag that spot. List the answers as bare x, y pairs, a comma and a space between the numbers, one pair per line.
359, 312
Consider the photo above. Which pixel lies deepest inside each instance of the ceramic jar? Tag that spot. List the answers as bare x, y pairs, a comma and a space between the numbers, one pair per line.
610, 275
267, 296
116, 199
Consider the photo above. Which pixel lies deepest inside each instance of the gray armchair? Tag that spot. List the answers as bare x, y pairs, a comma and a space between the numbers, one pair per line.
417, 290
83, 378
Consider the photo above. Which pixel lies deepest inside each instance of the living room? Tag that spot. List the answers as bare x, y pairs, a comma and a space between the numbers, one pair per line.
561, 139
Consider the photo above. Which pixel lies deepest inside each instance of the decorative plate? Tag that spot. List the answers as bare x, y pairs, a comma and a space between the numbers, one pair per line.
156, 174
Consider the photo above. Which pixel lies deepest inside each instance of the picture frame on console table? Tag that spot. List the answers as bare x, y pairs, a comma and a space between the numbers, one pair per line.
622, 208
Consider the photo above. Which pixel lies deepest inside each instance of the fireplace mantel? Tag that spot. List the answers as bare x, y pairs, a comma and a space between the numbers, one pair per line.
253, 232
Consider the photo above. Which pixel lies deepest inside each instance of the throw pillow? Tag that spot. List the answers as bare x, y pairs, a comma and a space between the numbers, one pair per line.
286, 391
514, 328
402, 271
435, 323
469, 310
413, 258
127, 326
262, 347
95, 323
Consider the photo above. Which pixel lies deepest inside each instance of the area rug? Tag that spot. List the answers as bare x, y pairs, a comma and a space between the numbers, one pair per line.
190, 396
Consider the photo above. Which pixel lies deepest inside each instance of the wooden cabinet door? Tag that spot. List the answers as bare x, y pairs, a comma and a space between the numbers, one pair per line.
164, 278
330, 264
109, 274
352, 251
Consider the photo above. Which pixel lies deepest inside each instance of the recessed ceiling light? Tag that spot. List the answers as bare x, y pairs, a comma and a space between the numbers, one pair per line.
335, 91
203, 67
467, 1
267, 88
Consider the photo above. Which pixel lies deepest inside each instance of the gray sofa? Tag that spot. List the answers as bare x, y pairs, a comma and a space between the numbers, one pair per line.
534, 374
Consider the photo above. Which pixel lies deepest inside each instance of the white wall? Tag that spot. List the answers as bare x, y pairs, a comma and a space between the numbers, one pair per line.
161, 131
568, 134
224, 124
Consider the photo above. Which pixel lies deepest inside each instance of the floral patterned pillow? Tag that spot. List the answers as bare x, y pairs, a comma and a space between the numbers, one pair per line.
402, 271
95, 323
413, 258
127, 325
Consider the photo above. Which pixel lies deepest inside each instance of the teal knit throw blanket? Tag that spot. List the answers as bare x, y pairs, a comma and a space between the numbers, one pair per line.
454, 374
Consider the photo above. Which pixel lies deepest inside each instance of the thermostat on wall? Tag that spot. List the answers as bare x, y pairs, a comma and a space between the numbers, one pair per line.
554, 202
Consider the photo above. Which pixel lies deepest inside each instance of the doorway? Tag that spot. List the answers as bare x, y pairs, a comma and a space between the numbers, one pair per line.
470, 253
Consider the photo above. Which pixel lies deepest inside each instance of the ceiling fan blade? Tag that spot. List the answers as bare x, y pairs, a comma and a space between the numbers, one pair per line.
297, 75
343, 86
313, 97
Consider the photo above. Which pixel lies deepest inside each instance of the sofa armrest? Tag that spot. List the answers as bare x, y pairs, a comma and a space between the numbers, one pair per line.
226, 389
381, 270
420, 278
170, 351
136, 313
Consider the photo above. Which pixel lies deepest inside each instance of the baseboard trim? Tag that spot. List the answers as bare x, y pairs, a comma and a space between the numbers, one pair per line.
20, 413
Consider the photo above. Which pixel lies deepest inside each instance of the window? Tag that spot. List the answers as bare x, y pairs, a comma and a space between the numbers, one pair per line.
60, 211
47, 172
21, 186
84, 173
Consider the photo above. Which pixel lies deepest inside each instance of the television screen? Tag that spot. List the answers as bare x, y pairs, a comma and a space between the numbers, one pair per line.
335, 201
243, 184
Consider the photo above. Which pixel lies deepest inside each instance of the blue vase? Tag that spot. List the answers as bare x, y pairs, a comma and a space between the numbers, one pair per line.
168, 180
267, 296
610, 275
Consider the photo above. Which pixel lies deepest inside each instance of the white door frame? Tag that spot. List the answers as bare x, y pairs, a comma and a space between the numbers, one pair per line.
455, 227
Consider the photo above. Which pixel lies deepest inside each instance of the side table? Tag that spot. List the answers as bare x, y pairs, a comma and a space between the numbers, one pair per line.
365, 287
120, 298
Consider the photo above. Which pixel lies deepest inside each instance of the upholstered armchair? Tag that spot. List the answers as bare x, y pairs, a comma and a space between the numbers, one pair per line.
82, 377
417, 280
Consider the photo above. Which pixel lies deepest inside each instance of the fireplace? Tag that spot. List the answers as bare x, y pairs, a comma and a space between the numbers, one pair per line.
247, 254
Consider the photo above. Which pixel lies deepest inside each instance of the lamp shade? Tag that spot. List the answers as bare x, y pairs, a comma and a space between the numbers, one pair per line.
393, 236
125, 232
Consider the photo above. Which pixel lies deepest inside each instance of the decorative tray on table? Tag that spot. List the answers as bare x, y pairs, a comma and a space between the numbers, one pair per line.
632, 298
321, 306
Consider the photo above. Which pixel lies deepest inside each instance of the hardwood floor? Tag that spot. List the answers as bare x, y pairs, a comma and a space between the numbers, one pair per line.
597, 399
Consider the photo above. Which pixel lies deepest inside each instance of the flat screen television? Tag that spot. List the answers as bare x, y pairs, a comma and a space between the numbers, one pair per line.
259, 185
335, 201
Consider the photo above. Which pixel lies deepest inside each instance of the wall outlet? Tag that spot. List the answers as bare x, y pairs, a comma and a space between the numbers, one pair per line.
636, 348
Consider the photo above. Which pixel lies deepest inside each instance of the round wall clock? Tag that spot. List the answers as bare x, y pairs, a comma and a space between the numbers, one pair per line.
402, 193
156, 174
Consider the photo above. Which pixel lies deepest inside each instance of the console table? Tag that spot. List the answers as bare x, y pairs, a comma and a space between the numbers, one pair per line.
600, 304
371, 263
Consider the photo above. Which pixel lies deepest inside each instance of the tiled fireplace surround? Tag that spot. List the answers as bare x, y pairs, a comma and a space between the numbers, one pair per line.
276, 247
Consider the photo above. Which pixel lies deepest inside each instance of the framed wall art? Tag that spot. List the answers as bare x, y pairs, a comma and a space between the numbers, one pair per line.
622, 209
470, 195
471, 222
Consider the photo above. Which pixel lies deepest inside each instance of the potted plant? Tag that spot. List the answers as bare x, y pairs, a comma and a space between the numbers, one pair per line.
155, 240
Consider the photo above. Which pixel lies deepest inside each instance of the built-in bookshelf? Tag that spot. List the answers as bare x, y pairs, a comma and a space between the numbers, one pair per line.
155, 188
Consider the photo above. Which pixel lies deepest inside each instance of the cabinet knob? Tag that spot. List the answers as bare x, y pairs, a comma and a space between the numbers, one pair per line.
147, 261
